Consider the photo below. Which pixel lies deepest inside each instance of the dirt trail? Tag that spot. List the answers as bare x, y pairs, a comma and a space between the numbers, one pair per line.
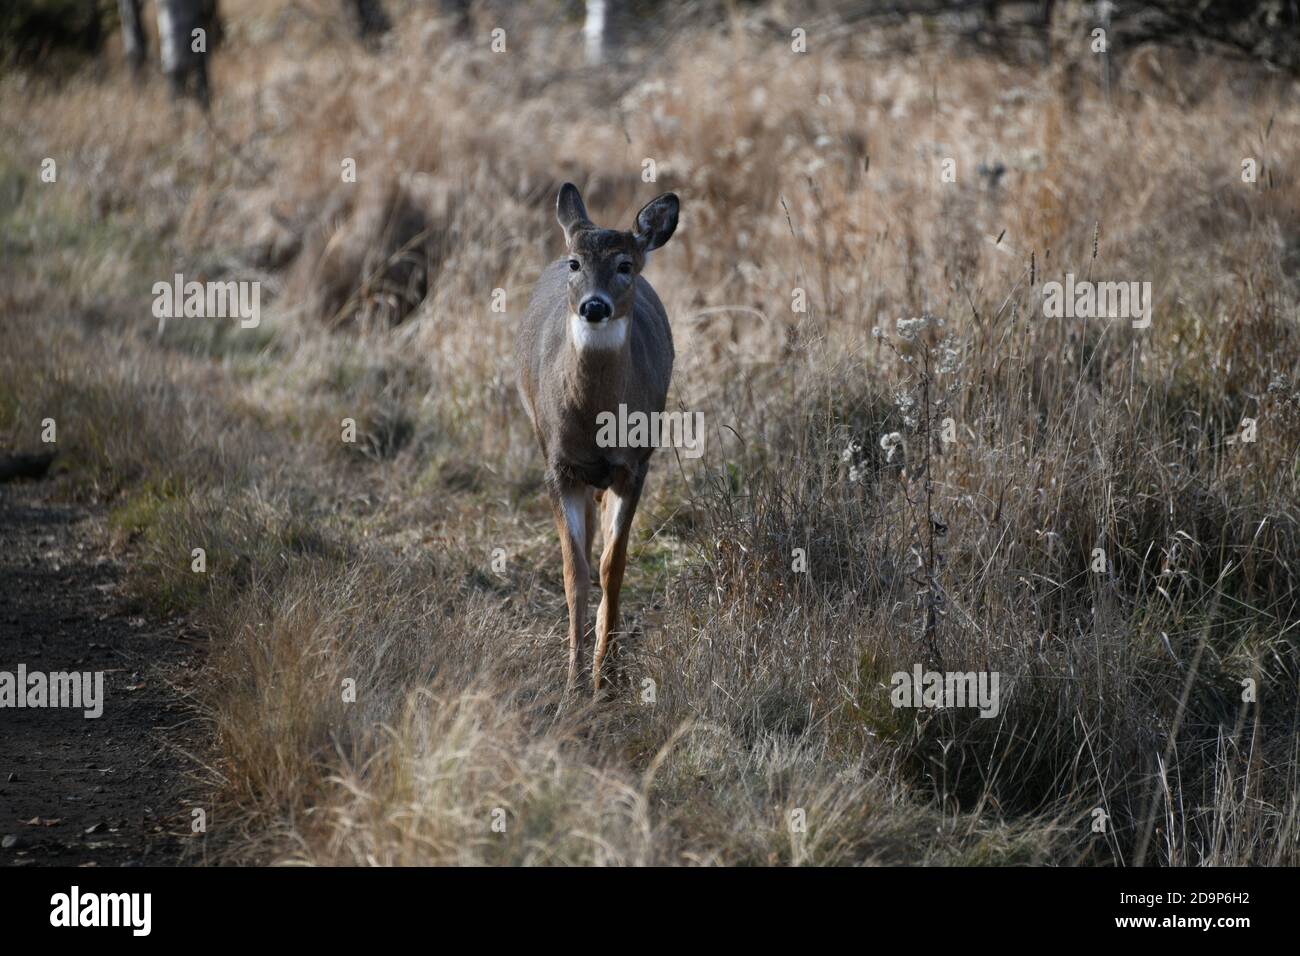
103, 791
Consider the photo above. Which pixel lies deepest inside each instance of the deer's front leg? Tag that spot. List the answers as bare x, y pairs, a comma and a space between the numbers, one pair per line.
570, 505
619, 508
592, 508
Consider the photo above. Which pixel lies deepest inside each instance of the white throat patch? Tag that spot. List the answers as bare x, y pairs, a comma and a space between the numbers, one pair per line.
603, 335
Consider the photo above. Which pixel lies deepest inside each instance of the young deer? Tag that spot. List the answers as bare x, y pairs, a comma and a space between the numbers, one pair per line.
595, 337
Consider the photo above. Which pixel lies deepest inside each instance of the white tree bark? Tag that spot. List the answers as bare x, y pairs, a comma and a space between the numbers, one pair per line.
133, 44
186, 68
594, 30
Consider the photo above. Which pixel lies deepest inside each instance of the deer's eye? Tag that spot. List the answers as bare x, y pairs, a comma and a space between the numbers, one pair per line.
574, 265
625, 267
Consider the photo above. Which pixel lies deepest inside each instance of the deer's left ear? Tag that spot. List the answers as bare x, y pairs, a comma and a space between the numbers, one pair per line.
656, 222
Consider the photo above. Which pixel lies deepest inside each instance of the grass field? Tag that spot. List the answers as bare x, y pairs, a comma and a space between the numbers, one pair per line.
1073, 503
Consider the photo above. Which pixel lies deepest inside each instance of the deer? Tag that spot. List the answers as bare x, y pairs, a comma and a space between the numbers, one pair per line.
595, 337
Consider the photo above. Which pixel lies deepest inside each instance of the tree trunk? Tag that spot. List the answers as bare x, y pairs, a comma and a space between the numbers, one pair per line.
368, 18
596, 31
458, 12
133, 42
186, 68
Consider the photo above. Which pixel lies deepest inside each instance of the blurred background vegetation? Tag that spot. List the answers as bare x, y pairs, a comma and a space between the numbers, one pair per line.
54, 32
1122, 688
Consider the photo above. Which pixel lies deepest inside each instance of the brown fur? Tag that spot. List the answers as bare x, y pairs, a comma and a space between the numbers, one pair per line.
565, 388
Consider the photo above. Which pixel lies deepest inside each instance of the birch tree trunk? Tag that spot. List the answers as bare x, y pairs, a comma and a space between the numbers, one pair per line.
595, 31
183, 61
133, 42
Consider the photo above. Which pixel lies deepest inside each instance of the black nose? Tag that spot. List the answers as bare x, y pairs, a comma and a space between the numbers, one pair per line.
593, 308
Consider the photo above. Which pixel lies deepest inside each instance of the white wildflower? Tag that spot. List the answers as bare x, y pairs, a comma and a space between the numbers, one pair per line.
908, 328
950, 357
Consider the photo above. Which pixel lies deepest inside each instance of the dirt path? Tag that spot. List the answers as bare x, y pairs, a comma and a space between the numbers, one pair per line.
77, 791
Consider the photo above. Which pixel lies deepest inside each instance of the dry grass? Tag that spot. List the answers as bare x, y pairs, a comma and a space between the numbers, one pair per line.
373, 563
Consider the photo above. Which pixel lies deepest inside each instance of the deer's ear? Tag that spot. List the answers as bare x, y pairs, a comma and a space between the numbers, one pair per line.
570, 211
656, 221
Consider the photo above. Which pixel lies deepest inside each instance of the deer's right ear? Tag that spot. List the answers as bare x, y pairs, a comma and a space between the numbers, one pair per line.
570, 211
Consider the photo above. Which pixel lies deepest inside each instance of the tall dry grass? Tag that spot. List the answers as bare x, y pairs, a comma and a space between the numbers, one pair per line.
374, 563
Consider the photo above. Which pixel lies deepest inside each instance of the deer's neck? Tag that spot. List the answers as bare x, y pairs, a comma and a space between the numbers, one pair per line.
599, 360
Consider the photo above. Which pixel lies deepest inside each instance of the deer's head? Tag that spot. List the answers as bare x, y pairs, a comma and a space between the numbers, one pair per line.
603, 263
